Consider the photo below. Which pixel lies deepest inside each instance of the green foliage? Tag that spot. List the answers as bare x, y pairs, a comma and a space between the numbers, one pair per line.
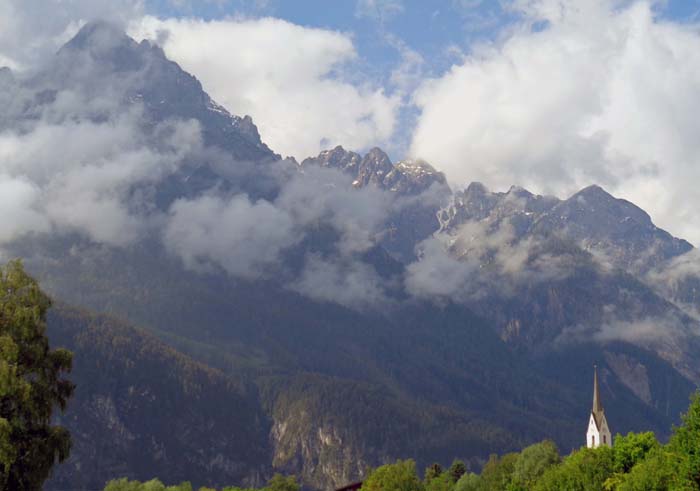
655, 473
584, 470
31, 384
637, 462
631, 449
468, 482
433, 471
443, 482
277, 483
400, 476
685, 446
124, 484
532, 462
281, 483
457, 470
498, 471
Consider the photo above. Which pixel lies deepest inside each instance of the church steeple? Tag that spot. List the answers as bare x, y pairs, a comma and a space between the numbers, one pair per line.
598, 431
597, 405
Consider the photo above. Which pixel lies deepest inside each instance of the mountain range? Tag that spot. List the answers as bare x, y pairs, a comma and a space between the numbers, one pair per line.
234, 313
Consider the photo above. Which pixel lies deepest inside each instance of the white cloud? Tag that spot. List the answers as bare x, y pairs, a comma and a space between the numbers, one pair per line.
479, 259
326, 196
89, 186
349, 283
18, 207
241, 236
31, 30
248, 238
438, 274
285, 76
577, 93
378, 10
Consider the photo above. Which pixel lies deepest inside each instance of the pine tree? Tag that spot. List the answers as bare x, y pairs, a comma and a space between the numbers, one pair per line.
31, 384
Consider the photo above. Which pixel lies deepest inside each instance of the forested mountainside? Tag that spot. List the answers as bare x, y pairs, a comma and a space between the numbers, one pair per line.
343, 311
145, 409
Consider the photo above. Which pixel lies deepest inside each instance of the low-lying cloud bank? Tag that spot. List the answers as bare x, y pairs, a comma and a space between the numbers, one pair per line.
86, 176
93, 164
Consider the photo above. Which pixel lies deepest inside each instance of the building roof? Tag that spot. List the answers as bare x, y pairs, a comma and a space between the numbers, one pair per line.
351, 487
597, 411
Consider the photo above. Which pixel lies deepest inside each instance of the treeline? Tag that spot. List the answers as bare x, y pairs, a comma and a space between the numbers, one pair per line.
277, 483
636, 462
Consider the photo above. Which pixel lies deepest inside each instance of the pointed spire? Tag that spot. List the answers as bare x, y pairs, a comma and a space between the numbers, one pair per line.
597, 405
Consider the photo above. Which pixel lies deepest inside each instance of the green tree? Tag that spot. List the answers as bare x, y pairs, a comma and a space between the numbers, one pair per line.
498, 472
400, 476
31, 384
469, 482
457, 470
443, 482
632, 449
584, 470
684, 445
122, 484
278, 482
432, 471
532, 462
655, 473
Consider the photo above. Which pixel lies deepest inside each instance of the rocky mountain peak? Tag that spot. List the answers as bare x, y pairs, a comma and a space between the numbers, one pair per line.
100, 34
374, 168
108, 45
102, 59
597, 211
595, 195
413, 177
378, 158
336, 158
518, 206
616, 228
475, 189
247, 128
519, 192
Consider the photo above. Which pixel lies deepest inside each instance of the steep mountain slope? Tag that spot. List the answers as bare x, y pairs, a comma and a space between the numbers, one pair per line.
584, 272
296, 280
444, 382
88, 63
141, 409
344, 390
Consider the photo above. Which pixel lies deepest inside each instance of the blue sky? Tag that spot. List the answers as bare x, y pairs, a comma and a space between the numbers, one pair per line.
428, 27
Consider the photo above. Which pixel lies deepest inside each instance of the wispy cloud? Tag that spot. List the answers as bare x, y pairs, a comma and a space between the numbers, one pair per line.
378, 10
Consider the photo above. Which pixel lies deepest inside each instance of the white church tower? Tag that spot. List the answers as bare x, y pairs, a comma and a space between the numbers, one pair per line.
598, 430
